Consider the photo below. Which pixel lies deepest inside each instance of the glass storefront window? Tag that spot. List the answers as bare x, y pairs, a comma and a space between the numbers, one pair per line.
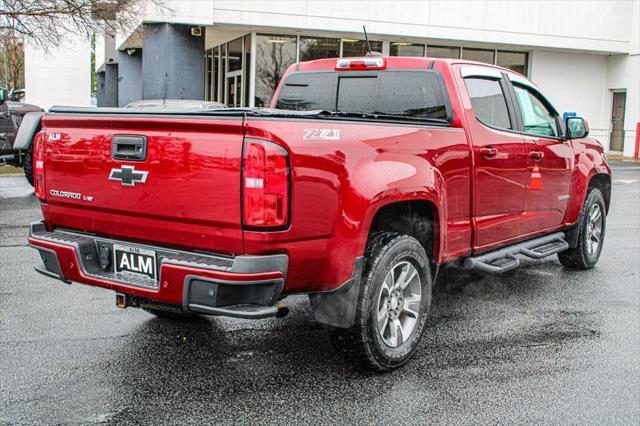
274, 53
443, 52
319, 47
247, 68
208, 76
216, 72
235, 55
359, 47
406, 49
478, 55
516, 61
223, 67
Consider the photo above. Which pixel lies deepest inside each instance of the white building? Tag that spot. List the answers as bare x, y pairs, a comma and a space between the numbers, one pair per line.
585, 55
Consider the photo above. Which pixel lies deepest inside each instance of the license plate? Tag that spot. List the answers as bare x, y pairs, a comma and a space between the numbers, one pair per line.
135, 261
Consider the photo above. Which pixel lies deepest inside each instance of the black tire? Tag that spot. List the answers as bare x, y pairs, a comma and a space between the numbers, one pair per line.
174, 316
363, 344
582, 256
27, 163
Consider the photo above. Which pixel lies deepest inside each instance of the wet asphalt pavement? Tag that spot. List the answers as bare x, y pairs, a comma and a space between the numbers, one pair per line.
538, 345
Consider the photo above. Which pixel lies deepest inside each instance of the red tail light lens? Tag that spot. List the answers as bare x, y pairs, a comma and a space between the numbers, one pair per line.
38, 166
265, 185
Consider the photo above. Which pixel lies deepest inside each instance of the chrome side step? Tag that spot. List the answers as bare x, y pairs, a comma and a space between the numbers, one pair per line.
504, 259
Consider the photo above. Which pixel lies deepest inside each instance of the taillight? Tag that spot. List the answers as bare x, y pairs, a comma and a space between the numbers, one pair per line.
38, 166
265, 169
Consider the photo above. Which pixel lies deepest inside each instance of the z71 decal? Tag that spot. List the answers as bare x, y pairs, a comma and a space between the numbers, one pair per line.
321, 134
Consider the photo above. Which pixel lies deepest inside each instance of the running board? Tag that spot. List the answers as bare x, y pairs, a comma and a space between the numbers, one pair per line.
504, 259
246, 310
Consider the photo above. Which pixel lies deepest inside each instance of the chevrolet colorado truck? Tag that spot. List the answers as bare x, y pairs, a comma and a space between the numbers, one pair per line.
361, 180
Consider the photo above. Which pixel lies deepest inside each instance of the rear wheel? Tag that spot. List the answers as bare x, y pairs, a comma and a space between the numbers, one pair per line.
393, 305
175, 316
27, 163
593, 222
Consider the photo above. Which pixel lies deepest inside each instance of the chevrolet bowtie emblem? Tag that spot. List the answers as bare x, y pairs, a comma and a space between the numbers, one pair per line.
128, 175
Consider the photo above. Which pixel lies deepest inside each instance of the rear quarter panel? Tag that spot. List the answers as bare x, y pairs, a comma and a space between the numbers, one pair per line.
339, 184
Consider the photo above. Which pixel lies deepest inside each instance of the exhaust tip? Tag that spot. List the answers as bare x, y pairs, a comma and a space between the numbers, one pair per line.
283, 310
121, 300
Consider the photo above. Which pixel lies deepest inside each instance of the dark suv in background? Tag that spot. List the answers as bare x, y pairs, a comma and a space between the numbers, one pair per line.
11, 113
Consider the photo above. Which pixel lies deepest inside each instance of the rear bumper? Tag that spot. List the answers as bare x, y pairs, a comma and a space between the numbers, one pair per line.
203, 283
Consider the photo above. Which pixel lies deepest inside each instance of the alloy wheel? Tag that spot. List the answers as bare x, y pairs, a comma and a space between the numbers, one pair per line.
399, 304
594, 229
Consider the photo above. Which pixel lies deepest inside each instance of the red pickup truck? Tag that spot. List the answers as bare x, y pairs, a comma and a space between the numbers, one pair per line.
361, 180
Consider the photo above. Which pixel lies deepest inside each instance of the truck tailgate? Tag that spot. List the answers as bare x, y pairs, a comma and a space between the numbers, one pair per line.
185, 192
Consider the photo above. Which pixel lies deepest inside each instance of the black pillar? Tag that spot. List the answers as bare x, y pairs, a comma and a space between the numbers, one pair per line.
129, 76
172, 63
110, 97
100, 88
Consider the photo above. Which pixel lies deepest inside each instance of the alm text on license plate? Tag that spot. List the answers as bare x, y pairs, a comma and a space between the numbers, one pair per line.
135, 260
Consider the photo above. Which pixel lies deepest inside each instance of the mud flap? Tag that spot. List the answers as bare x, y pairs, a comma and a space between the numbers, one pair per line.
337, 308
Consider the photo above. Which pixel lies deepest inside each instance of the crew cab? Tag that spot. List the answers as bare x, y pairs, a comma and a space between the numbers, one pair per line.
364, 177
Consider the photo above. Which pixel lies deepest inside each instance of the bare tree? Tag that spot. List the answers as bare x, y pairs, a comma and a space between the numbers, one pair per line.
11, 60
46, 22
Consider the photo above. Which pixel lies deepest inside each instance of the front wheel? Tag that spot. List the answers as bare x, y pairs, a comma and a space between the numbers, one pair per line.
393, 305
593, 221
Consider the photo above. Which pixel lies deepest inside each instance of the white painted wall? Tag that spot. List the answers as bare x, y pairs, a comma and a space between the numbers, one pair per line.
61, 76
598, 26
194, 12
575, 83
623, 73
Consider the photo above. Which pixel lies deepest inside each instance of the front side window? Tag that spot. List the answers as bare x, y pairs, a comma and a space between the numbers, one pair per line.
537, 118
488, 101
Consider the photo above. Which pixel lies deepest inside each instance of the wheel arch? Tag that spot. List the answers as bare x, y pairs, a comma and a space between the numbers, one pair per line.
602, 181
419, 217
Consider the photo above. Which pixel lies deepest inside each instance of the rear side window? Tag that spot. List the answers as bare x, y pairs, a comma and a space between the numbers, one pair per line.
411, 93
488, 101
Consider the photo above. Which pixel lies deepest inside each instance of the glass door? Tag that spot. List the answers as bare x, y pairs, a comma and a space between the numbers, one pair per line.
616, 142
233, 92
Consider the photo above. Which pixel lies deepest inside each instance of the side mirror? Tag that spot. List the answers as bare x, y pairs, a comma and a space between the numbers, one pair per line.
577, 128
4, 95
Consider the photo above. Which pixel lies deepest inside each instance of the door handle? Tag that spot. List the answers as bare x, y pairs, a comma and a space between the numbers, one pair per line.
488, 152
536, 155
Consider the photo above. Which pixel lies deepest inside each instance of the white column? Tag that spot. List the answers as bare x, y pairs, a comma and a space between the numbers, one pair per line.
252, 79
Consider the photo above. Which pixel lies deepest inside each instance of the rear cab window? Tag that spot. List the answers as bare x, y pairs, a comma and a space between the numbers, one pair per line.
409, 93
